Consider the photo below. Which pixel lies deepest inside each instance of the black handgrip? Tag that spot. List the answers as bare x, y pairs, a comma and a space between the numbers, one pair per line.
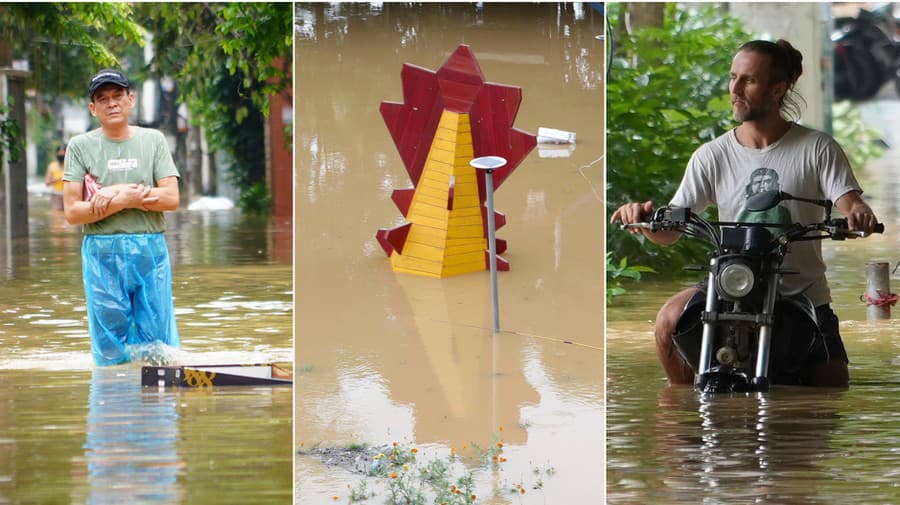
878, 228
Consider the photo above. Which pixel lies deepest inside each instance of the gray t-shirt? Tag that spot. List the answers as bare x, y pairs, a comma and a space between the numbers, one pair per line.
804, 162
142, 159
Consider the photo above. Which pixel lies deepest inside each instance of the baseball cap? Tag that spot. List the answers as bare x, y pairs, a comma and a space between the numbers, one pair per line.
107, 76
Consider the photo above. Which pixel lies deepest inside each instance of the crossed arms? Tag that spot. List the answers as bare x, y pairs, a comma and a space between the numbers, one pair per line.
112, 199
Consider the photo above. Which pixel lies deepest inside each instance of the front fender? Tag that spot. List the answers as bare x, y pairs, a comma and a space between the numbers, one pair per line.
794, 335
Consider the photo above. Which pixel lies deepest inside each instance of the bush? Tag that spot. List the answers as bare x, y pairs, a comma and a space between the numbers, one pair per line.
667, 94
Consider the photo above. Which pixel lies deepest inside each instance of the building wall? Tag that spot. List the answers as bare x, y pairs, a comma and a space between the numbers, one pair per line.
806, 25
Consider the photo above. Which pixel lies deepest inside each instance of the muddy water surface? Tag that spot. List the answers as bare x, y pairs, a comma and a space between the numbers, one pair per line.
73, 433
384, 357
790, 445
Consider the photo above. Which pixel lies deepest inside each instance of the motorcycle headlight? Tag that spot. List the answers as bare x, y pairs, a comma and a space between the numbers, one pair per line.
736, 280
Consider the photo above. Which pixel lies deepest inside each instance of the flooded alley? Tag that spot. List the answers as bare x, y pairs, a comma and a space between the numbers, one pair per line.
74, 433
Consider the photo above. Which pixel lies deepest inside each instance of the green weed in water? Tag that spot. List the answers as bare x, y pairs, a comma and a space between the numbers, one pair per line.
439, 481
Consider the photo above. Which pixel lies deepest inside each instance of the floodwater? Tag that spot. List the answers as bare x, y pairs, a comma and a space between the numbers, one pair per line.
74, 433
383, 356
790, 445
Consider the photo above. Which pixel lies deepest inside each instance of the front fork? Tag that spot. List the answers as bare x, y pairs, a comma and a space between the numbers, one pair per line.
764, 341
708, 339
765, 335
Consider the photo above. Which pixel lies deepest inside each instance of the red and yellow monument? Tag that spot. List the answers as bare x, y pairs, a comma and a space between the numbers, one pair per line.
448, 118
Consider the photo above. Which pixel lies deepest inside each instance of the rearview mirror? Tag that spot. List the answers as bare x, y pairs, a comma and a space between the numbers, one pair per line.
765, 200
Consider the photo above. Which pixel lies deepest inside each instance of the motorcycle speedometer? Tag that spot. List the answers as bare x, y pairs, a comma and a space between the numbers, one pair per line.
736, 280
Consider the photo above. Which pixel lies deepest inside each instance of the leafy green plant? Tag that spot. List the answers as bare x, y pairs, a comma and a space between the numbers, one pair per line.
860, 142
10, 133
616, 271
361, 492
667, 94
229, 59
256, 199
441, 481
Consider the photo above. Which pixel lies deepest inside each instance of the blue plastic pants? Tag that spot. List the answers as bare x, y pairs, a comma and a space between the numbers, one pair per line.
128, 289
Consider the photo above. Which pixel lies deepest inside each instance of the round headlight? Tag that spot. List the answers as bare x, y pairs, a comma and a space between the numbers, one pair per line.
736, 280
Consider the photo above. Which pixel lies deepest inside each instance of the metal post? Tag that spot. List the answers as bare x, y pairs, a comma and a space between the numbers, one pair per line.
488, 164
877, 287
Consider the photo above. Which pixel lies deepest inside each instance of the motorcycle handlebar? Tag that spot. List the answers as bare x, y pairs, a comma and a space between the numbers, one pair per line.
838, 229
652, 226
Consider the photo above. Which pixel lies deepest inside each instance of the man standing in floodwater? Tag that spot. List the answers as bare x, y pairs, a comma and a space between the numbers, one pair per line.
721, 173
119, 179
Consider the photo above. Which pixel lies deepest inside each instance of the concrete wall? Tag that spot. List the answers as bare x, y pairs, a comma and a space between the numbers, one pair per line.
807, 27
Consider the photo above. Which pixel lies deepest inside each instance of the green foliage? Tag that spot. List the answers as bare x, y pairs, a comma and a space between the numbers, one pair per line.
254, 36
255, 199
241, 128
616, 271
229, 59
443, 480
66, 42
666, 95
10, 133
860, 142
193, 41
361, 492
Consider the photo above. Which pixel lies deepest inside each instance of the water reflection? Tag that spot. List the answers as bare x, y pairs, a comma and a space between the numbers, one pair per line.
790, 445
131, 450
384, 356
86, 428
736, 449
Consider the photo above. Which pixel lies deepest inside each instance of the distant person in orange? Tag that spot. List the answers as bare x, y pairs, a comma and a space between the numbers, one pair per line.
54, 178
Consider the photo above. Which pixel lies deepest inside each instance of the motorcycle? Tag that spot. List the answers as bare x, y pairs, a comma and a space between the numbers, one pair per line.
745, 335
866, 53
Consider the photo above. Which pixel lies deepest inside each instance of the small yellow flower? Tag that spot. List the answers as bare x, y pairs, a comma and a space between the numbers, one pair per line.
500, 445
522, 490
453, 451
405, 468
379, 456
503, 460
393, 475
335, 498
395, 444
474, 497
413, 450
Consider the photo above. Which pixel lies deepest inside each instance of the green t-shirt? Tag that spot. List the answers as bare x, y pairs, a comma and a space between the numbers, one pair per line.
142, 159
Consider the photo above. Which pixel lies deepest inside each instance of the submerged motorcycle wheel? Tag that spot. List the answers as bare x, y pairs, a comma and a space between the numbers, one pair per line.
725, 379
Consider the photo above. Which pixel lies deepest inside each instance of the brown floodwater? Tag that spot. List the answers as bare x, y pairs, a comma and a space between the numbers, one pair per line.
71, 432
383, 356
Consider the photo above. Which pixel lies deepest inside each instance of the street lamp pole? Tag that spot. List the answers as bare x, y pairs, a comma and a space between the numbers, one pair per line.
488, 164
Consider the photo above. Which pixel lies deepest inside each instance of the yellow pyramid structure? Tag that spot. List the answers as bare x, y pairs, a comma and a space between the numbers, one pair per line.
446, 236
